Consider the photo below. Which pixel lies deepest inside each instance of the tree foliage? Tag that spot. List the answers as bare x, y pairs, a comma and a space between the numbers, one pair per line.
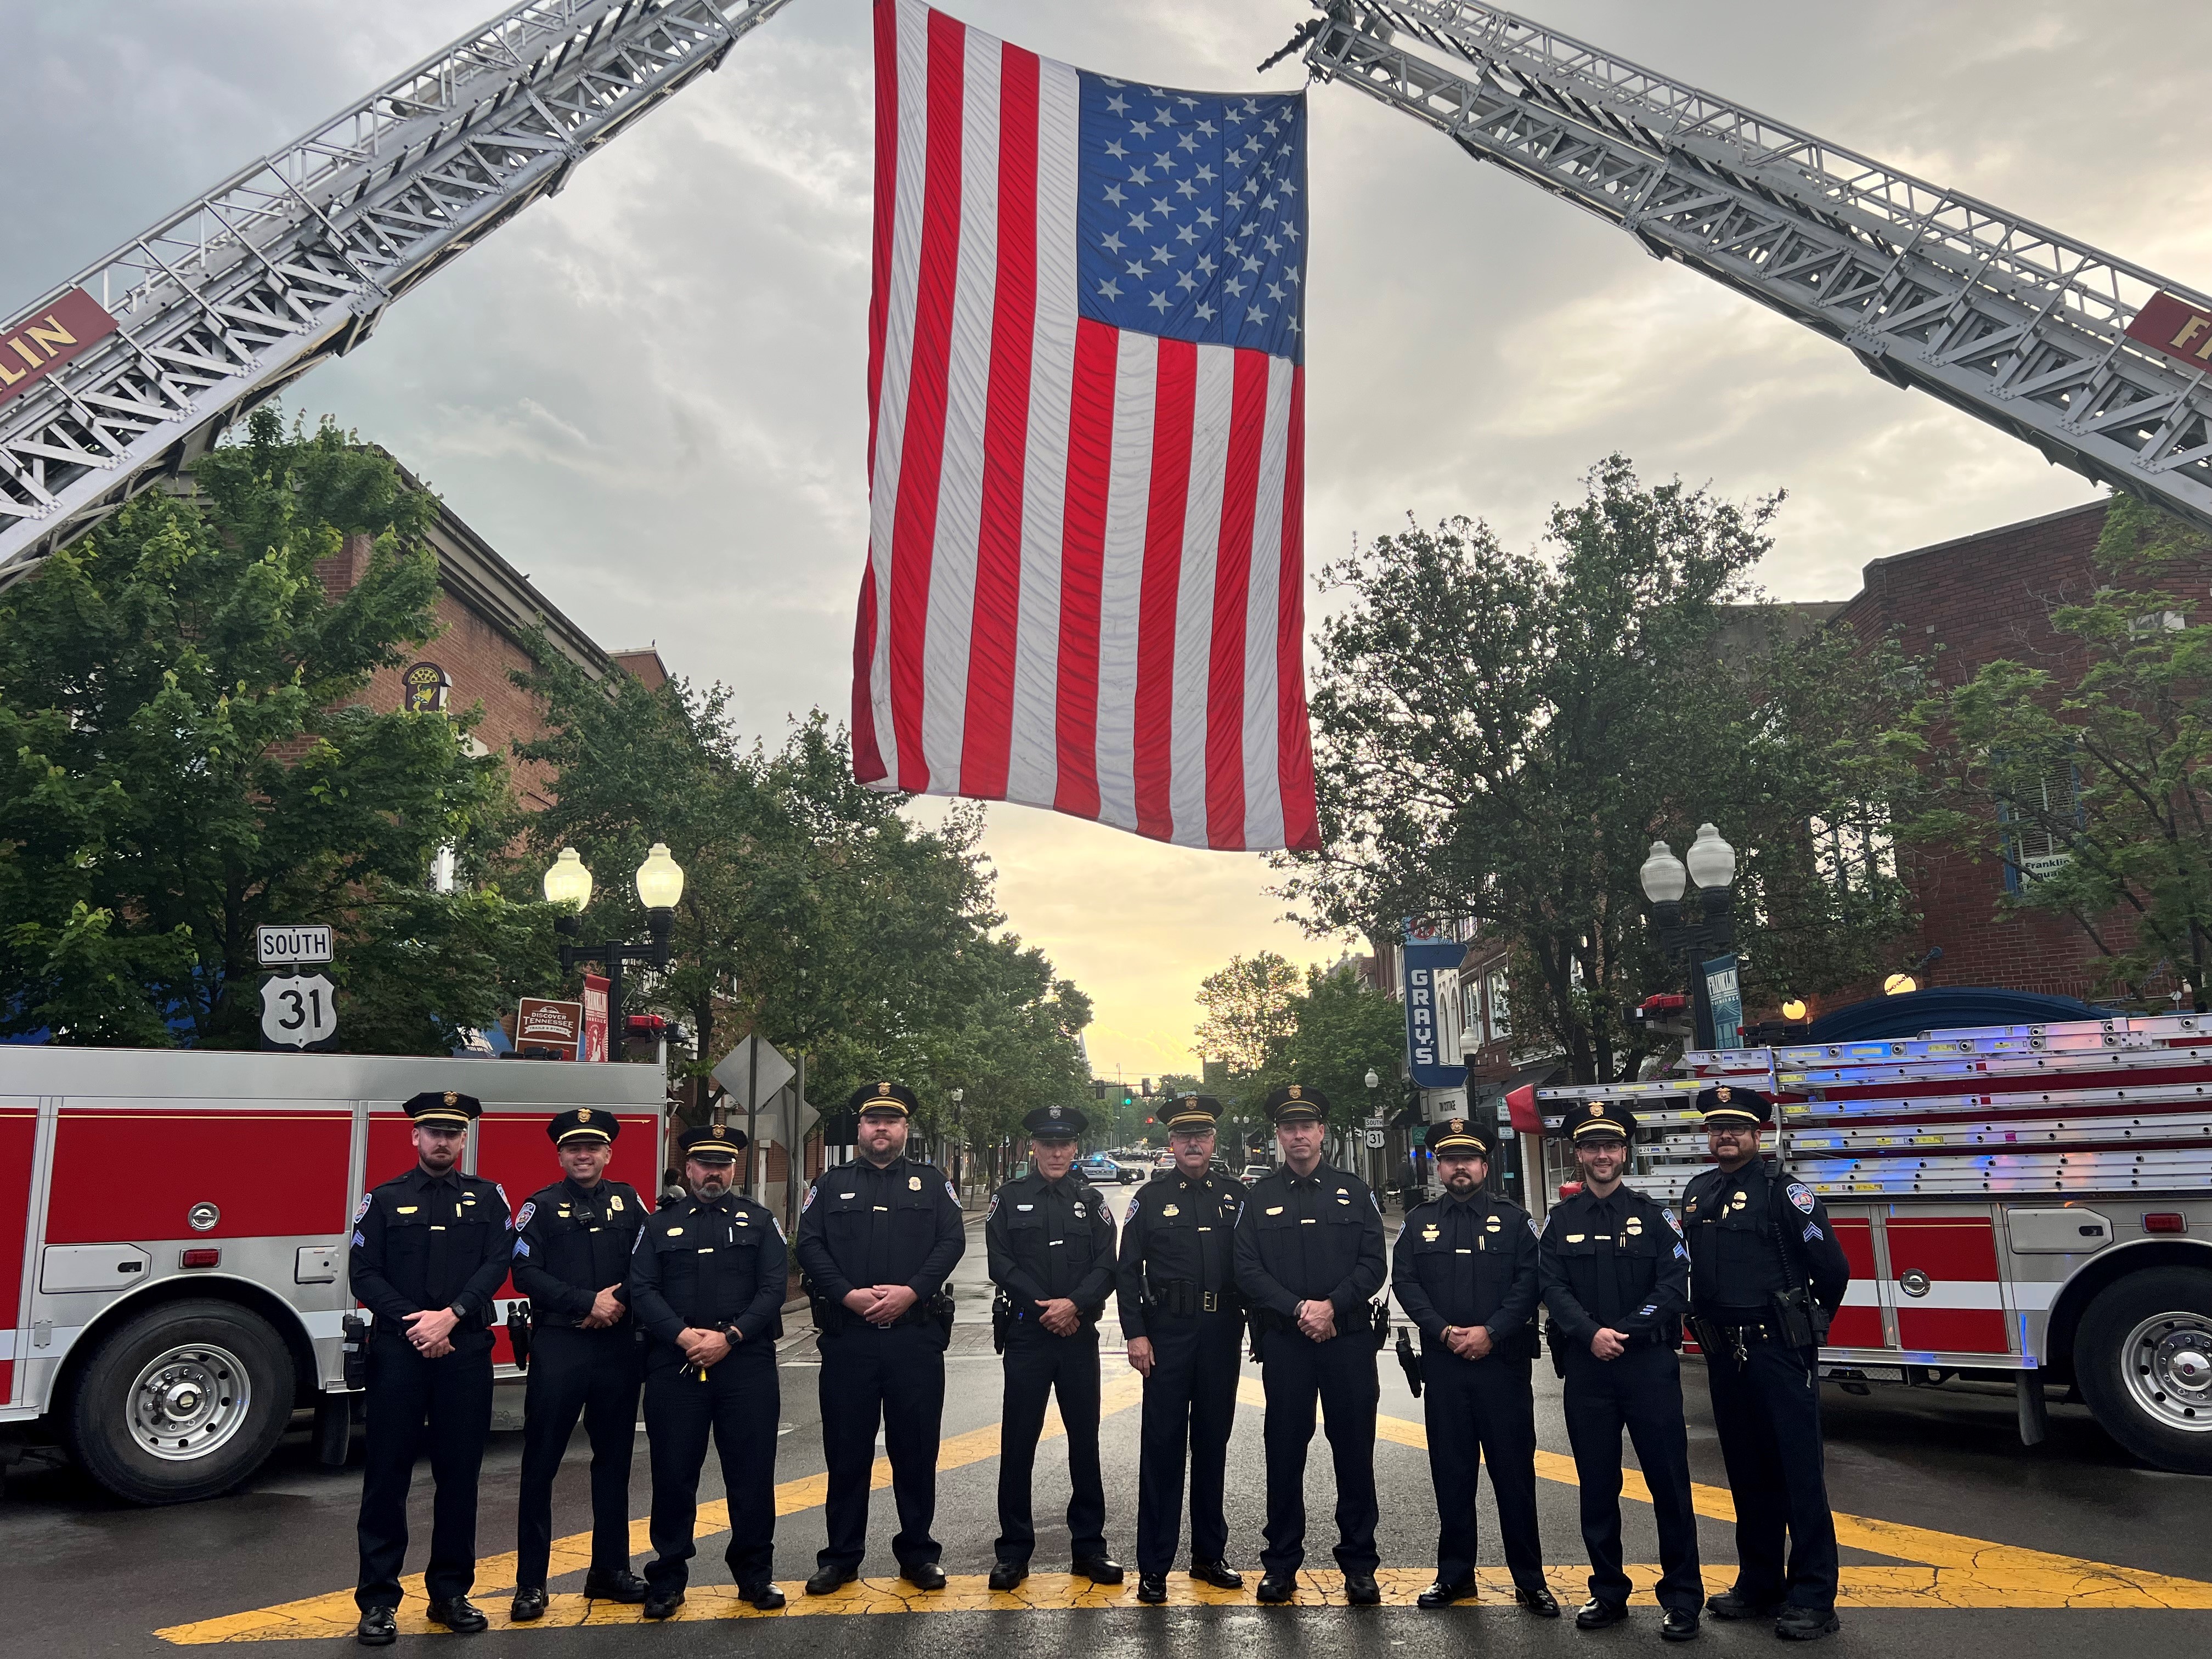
1502, 736
183, 756
1326, 1032
1249, 1010
2089, 782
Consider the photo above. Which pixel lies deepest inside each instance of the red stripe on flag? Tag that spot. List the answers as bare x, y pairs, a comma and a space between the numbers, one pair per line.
990, 707
879, 295
868, 758
1152, 758
913, 523
1083, 555
1293, 743
1232, 583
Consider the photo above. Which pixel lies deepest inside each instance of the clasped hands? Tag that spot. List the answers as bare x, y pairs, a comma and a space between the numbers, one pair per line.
881, 1304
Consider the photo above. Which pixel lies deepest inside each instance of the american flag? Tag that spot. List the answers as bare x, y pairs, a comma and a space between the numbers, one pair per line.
1084, 587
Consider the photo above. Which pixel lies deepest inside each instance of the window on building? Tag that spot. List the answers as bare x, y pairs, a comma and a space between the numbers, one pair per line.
1501, 1022
2034, 844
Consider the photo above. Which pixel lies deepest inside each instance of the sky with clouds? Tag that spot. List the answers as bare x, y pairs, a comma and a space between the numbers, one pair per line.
649, 392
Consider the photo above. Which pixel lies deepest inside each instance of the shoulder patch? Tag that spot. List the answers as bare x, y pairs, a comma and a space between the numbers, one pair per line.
1801, 1196
521, 1247
1673, 1220
1813, 1233
522, 1217
993, 1210
360, 1241
500, 1190
1681, 1252
807, 1202
950, 1193
1535, 1232
366, 1198
778, 1225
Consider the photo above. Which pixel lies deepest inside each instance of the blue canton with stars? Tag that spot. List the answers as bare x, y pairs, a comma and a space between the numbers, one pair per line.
1191, 214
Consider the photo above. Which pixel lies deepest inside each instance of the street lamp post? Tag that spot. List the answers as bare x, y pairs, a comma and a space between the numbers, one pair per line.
1711, 867
958, 1095
660, 886
1374, 1081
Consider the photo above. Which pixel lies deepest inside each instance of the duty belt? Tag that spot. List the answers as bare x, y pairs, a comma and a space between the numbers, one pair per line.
1179, 1296
1718, 1336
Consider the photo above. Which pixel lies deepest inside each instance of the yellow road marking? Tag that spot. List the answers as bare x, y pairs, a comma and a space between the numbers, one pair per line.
1939, 1571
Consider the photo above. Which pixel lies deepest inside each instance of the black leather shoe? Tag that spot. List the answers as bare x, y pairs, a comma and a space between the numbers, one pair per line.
1729, 1605
379, 1628
1220, 1574
827, 1580
1681, 1625
1100, 1570
764, 1595
1441, 1594
1806, 1624
527, 1607
1277, 1587
459, 1615
924, 1575
1361, 1590
663, 1605
1152, 1587
620, 1585
1538, 1600
1596, 1615
1005, 1575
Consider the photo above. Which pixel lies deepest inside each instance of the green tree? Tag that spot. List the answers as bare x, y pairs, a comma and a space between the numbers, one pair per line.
1502, 736
2089, 782
183, 756
1247, 1005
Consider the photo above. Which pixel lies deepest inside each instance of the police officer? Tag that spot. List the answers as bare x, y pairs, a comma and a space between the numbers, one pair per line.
1182, 1319
1309, 1259
572, 1249
1767, 1275
1616, 1277
431, 1250
877, 1239
1050, 1238
1465, 1273
708, 1281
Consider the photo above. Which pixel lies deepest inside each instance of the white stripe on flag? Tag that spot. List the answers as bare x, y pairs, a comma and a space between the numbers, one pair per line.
1201, 550
1129, 498
1033, 760
960, 478
1263, 785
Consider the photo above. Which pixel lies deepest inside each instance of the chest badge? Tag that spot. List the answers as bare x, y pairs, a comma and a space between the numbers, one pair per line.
614, 1202
1574, 1238
1078, 1208
1634, 1225
1169, 1209
1429, 1233
913, 1184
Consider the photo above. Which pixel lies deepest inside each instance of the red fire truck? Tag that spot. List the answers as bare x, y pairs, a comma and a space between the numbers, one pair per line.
2026, 1203
173, 1231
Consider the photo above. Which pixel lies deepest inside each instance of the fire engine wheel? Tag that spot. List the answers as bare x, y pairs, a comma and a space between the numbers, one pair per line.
182, 1402
2144, 1360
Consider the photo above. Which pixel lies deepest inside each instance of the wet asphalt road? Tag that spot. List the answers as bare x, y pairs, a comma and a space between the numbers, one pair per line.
86, 1575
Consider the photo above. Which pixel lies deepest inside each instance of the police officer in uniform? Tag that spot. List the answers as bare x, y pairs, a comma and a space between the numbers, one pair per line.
1767, 1275
1616, 1277
708, 1281
1465, 1273
431, 1250
877, 1239
572, 1249
1051, 1242
1183, 1321
1308, 1260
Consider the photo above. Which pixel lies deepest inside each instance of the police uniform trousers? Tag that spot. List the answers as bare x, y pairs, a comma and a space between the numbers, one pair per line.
1767, 1411
893, 1375
1295, 1371
594, 1375
1482, 1405
740, 1402
1038, 1365
442, 1406
1190, 1406
1642, 1392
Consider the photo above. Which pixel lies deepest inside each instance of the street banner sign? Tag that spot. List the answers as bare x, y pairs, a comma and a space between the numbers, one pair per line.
594, 1031
298, 1011
753, 1072
1724, 996
551, 1028
290, 945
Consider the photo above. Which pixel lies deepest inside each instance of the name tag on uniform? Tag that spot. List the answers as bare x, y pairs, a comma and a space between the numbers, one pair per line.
407, 1209
1462, 1251
1274, 1209
1305, 1221
1574, 1238
675, 1232
845, 1194
1026, 1207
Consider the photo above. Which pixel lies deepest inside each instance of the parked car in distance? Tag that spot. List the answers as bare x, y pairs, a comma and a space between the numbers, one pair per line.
1096, 1167
1162, 1161
1256, 1171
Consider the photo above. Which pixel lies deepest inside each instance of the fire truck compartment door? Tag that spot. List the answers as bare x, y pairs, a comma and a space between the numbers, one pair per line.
2055, 1232
316, 1264
64, 1267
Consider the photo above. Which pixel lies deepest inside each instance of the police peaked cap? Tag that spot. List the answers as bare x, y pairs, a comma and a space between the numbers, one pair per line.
436, 1108
1055, 1123
884, 1096
712, 1143
1728, 1103
1297, 1103
1459, 1137
1599, 1117
1193, 1112
583, 1123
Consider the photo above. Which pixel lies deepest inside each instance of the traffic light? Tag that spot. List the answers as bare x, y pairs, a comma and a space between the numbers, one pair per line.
1148, 1089
1098, 1088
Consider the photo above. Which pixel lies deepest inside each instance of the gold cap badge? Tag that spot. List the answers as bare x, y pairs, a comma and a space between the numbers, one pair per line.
1297, 1092
452, 1099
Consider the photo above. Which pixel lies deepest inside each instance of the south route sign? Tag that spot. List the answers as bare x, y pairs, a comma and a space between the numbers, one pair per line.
298, 1011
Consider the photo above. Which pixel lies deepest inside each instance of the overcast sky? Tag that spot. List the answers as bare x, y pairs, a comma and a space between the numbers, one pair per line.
649, 392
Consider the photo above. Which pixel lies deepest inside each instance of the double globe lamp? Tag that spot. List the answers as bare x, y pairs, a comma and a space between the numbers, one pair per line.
660, 888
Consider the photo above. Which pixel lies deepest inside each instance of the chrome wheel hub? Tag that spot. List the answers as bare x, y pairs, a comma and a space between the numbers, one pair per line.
188, 1401
2167, 1361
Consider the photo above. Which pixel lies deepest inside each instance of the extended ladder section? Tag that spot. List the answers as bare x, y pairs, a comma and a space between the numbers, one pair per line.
2016, 324
136, 366
2118, 1105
